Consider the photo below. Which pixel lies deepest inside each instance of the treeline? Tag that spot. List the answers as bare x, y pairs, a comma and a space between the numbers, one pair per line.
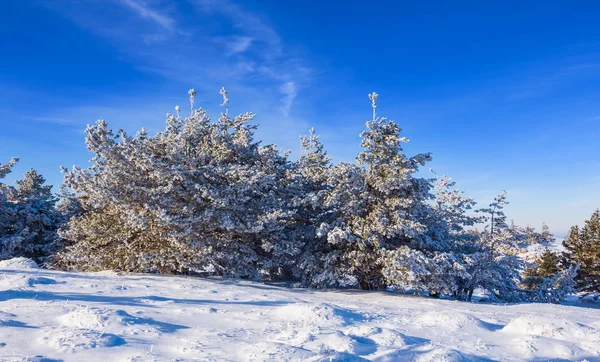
204, 197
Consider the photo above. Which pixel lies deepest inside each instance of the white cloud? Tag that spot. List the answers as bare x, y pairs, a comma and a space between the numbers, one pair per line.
245, 21
144, 11
235, 44
211, 44
288, 89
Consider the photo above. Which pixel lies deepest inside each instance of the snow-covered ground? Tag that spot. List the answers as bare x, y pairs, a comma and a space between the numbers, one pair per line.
54, 316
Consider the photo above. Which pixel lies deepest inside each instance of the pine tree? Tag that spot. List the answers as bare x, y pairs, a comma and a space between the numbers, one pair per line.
199, 196
7, 167
546, 266
583, 248
497, 217
451, 215
33, 219
554, 289
311, 174
492, 258
440, 269
377, 207
7, 211
546, 236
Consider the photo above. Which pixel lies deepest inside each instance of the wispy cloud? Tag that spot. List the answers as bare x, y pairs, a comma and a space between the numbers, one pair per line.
236, 44
146, 12
244, 21
289, 95
203, 44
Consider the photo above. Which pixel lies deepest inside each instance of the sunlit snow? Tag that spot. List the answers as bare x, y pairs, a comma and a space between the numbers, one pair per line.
62, 316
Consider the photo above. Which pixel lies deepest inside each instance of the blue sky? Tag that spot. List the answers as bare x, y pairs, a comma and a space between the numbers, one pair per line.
504, 94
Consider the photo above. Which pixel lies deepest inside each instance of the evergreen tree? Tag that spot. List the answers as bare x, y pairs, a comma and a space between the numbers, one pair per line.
441, 269
311, 174
7, 211
583, 248
492, 259
546, 236
7, 167
33, 219
377, 207
546, 266
199, 196
554, 289
450, 215
497, 218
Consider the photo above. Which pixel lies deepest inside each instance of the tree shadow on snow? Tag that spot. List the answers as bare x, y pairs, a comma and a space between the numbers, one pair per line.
430, 352
16, 324
161, 326
136, 301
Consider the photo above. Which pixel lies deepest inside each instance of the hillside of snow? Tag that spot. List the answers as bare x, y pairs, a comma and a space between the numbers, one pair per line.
62, 316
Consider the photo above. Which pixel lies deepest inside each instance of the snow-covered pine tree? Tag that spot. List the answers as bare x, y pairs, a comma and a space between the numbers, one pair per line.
497, 218
450, 215
491, 258
546, 266
447, 224
377, 207
7, 167
556, 288
583, 248
7, 211
338, 248
311, 174
546, 237
200, 195
246, 209
36, 210
546, 282
33, 219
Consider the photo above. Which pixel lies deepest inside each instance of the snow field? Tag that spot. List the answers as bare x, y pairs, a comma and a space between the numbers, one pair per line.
61, 316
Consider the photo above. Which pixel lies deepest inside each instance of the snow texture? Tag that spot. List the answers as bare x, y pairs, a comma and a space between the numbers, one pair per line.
50, 315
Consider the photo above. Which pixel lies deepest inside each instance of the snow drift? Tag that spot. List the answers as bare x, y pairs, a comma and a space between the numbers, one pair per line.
62, 316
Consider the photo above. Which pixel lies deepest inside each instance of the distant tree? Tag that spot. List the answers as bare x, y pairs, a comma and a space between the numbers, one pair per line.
555, 288
546, 235
583, 248
497, 218
546, 266
546, 281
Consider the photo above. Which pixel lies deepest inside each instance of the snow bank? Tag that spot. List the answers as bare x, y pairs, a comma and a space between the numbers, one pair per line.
18, 264
65, 316
555, 328
380, 336
449, 320
73, 340
442, 354
83, 317
320, 315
